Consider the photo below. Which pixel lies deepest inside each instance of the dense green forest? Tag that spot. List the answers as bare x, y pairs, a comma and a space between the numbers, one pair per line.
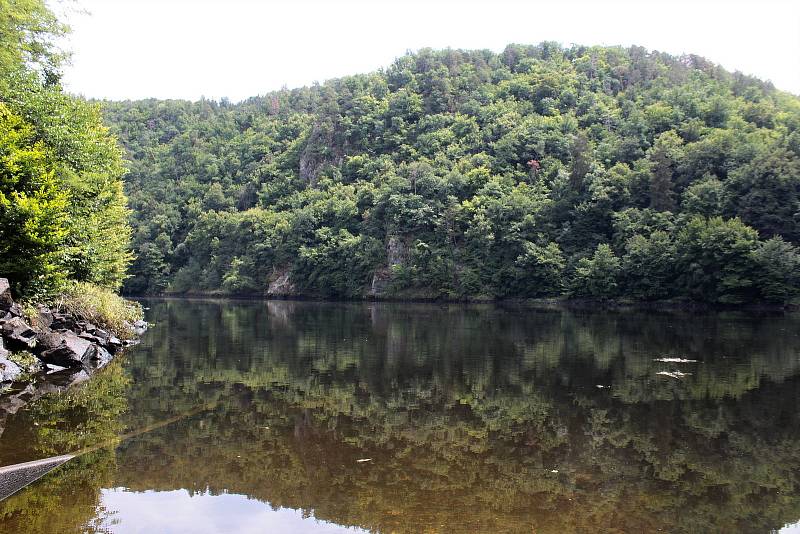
540, 171
63, 214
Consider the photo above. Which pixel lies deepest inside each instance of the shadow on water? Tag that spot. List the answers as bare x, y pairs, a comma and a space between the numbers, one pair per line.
409, 418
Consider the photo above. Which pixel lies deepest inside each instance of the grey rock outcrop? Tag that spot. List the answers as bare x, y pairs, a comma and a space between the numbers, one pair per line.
64, 349
6, 301
396, 255
18, 334
9, 371
282, 284
59, 340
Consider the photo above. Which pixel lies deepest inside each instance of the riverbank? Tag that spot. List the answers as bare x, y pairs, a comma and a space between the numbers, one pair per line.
552, 302
76, 333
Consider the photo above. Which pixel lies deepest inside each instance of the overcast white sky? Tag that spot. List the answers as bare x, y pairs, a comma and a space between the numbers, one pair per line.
240, 48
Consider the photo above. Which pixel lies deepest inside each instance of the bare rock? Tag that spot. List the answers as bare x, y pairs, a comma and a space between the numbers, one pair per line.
396, 255
396, 251
93, 338
63, 321
380, 282
18, 334
44, 317
5, 295
65, 349
98, 358
15, 310
113, 344
100, 336
282, 284
9, 371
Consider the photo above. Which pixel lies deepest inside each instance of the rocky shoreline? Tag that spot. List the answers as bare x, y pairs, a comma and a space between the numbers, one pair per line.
60, 342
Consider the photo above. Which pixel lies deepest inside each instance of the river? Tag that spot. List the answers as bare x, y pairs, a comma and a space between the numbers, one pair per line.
279, 416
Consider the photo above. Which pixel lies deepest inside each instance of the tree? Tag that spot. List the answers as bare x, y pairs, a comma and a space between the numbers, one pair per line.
597, 277
541, 269
28, 35
778, 274
705, 197
648, 266
33, 210
62, 193
664, 157
765, 193
716, 261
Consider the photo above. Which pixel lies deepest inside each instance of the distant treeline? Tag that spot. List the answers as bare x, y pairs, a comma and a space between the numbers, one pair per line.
540, 171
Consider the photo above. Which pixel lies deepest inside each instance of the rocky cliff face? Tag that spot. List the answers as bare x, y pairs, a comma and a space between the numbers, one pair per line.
58, 341
281, 284
396, 253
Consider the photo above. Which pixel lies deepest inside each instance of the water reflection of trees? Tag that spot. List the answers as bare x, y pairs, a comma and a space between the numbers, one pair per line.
67, 500
474, 419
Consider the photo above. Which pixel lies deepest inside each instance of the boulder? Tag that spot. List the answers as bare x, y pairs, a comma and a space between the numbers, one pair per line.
5, 295
100, 334
18, 334
9, 371
65, 349
44, 317
63, 321
93, 338
113, 344
99, 358
140, 327
85, 326
14, 311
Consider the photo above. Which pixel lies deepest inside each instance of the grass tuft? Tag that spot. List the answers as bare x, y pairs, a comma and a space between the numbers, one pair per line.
101, 307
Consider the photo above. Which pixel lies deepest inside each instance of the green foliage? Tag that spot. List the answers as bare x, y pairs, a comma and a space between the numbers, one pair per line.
337, 264
715, 258
63, 212
541, 269
649, 266
33, 218
28, 32
705, 197
598, 276
778, 267
479, 165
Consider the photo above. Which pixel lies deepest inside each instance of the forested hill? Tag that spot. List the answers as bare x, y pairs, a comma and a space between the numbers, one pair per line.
540, 171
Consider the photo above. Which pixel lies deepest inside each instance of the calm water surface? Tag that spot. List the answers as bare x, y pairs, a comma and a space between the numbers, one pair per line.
310, 417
